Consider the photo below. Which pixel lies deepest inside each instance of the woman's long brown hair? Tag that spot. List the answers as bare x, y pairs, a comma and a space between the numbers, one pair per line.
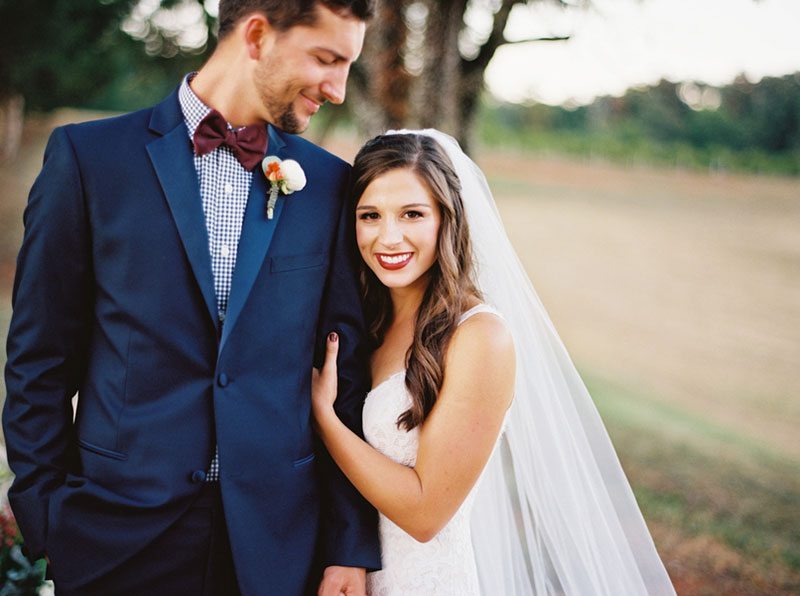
451, 285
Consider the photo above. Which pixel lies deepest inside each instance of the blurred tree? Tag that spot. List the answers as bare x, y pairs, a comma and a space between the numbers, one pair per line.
659, 110
73, 52
424, 61
745, 125
768, 112
51, 50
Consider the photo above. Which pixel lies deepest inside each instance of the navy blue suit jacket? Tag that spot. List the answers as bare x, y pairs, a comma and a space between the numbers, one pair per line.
114, 299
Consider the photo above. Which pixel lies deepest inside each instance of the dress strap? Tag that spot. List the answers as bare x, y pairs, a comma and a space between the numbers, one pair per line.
478, 308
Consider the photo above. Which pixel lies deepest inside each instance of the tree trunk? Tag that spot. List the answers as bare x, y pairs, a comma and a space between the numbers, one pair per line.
379, 83
393, 88
441, 77
472, 83
12, 117
469, 95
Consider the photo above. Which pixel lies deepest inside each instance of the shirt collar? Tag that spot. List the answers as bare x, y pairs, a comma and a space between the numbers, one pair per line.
194, 110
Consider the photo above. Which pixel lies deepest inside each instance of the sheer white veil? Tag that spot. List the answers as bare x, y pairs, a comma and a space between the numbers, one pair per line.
553, 511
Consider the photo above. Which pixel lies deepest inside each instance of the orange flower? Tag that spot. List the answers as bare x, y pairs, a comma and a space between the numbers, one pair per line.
273, 171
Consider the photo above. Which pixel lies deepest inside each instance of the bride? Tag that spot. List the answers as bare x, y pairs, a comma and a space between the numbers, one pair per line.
484, 454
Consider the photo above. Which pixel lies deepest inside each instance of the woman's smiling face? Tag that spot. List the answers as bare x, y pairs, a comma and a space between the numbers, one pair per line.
397, 228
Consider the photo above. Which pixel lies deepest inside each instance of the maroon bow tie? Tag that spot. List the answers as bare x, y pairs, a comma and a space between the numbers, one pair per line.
247, 144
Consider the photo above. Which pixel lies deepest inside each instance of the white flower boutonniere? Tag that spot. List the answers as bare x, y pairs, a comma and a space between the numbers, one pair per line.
285, 177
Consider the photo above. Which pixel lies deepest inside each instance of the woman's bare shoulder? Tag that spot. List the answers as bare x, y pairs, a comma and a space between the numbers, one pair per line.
481, 353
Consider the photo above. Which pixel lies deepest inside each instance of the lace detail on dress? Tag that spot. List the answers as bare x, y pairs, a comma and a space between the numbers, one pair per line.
445, 565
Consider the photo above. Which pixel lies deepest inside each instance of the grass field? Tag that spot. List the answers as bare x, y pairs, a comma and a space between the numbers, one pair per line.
678, 296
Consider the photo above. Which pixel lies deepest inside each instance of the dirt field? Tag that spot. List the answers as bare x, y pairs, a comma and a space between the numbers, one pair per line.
684, 287
678, 296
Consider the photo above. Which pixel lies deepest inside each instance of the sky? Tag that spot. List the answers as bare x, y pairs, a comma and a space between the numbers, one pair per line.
618, 44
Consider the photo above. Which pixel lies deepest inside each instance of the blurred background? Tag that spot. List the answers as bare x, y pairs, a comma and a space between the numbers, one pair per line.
645, 156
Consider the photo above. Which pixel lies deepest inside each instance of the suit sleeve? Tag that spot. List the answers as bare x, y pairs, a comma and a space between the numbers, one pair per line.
349, 521
48, 338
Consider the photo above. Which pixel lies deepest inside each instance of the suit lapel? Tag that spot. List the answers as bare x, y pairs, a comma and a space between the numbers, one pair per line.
171, 156
257, 233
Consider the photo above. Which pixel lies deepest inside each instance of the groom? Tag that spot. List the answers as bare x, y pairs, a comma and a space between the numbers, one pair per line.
154, 283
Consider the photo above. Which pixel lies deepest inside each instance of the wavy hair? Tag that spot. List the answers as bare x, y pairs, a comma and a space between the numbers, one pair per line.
451, 283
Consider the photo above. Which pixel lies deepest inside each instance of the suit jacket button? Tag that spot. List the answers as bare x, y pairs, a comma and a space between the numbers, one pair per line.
198, 476
223, 380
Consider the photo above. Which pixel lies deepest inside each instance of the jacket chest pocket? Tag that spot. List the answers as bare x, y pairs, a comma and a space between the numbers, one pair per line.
293, 262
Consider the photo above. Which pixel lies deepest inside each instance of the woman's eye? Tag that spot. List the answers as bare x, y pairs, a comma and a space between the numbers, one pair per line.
324, 61
368, 216
413, 214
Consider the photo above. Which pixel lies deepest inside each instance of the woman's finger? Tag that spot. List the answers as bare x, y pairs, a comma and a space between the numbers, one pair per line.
331, 351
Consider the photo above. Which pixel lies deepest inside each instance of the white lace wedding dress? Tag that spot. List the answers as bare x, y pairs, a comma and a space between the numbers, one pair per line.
445, 565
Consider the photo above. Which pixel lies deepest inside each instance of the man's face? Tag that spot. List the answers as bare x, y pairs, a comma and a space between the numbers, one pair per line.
307, 66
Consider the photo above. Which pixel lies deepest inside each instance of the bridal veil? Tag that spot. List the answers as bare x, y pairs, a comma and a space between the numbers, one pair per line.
554, 513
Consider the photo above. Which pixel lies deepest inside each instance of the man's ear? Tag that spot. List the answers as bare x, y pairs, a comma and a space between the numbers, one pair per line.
258, 34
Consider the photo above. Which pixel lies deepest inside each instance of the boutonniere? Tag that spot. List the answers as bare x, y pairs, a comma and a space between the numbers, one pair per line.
285, 177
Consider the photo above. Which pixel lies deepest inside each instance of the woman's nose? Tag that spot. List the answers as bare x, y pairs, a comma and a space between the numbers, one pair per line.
391, 234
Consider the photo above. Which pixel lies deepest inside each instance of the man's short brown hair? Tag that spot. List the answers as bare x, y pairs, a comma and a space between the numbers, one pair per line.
285, 14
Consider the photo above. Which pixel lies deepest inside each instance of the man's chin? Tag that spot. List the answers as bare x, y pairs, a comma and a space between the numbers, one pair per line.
291, 123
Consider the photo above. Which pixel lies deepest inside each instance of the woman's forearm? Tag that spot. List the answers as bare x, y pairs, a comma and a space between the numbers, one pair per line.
394, 489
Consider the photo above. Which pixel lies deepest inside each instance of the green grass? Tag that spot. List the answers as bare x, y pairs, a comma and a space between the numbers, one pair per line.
677, 425
704, 479
618, 148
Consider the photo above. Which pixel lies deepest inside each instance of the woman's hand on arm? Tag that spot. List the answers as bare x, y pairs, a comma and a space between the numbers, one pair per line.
383, 482
324, 383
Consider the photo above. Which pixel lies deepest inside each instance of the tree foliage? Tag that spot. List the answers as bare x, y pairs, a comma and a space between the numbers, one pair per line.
744, 125
70, 52
54, 51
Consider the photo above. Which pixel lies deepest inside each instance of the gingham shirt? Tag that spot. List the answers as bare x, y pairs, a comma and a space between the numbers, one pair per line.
224, 188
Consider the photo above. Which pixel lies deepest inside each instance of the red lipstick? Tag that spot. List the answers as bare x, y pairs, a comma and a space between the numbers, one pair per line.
395, 261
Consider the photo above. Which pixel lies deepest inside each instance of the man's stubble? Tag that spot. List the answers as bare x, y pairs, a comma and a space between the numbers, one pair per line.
274, 92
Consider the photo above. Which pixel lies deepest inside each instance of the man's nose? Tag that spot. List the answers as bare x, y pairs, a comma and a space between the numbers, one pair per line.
334, 87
